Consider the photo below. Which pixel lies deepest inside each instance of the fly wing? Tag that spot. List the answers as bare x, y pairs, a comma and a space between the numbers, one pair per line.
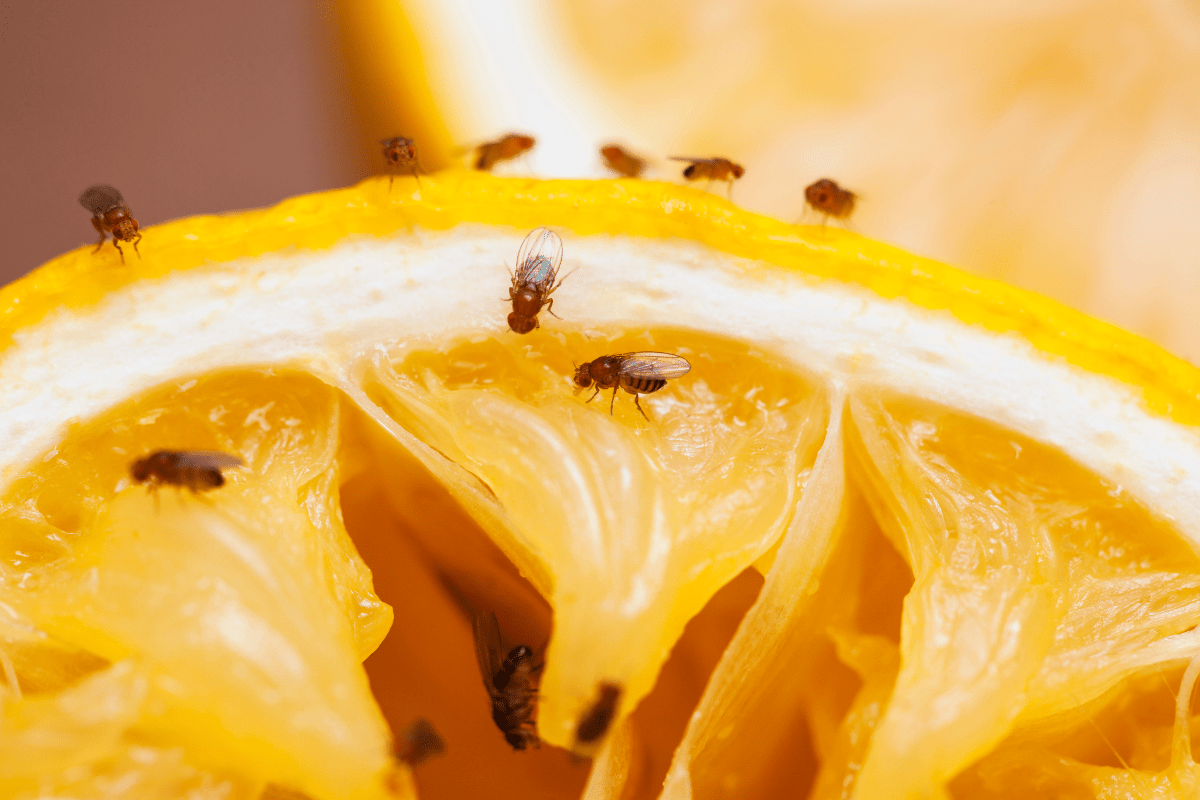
653, 365
694, 160
209, 459
100, 198
487, 646
539, 258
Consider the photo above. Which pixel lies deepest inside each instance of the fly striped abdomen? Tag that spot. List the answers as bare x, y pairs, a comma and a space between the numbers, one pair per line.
642, 385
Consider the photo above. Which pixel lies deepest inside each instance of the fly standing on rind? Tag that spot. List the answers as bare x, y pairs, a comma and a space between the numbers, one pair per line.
712, 169
488, 154
636, 373
622, 162
829, 199
110, 214
401, 153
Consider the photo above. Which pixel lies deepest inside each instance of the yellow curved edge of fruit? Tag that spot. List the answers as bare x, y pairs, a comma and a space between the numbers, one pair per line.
1170, 385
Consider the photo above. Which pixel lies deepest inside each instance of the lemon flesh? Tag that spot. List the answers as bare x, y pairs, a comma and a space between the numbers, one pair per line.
975, 524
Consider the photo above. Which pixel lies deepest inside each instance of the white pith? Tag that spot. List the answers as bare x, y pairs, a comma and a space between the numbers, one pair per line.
326, 311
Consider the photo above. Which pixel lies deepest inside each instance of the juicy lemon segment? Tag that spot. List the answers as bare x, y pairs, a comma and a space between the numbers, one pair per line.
639, 521
747, 738
1024, 605
1021, 626
231, 626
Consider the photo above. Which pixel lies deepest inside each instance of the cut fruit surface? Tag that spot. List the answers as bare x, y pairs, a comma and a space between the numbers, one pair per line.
898, 532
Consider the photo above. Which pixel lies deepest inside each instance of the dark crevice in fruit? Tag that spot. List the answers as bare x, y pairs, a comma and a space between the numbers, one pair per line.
1132, 731
47, 666
661, 718
884, 582
435, 567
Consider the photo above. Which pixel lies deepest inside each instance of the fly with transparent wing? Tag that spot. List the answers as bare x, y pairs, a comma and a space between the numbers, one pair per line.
636, 373
511, 682
110, 214
533, 282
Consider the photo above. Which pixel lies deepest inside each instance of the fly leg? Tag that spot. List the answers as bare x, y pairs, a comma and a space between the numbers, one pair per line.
614, 399
197, 496
100, 230
560, 282
135, 241
639, 407
593, 397
549, 307
117, 245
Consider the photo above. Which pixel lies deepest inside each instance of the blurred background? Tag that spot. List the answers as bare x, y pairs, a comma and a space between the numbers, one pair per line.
1054, 144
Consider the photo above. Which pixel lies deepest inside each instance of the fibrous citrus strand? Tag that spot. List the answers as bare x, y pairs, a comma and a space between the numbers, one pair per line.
431, 563
1038, 588
634, 764
638, 522
744, 726
1129, 748
231, 626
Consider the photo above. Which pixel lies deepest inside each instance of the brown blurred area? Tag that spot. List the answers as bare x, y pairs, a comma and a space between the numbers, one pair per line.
187, 108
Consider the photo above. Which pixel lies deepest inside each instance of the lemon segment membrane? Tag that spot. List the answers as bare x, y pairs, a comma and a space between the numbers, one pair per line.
640, 524
232, 627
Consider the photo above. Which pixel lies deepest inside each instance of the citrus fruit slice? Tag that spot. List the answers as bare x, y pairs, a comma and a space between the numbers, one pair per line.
899, 532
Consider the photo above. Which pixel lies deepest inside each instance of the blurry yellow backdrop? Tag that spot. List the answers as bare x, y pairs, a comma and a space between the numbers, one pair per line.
1054, 144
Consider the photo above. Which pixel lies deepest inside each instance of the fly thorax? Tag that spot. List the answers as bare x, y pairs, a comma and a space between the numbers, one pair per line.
527, 302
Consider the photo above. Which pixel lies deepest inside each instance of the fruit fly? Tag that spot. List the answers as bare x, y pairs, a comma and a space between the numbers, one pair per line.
533, 283
510, 681
712, 169
504, 148
111, 215
198, 470
401, 153
621, 162
595, 721
829, 199
636, 373
418, 742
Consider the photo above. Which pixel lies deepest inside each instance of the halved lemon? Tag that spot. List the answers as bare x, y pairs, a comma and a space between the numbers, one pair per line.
899, 533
